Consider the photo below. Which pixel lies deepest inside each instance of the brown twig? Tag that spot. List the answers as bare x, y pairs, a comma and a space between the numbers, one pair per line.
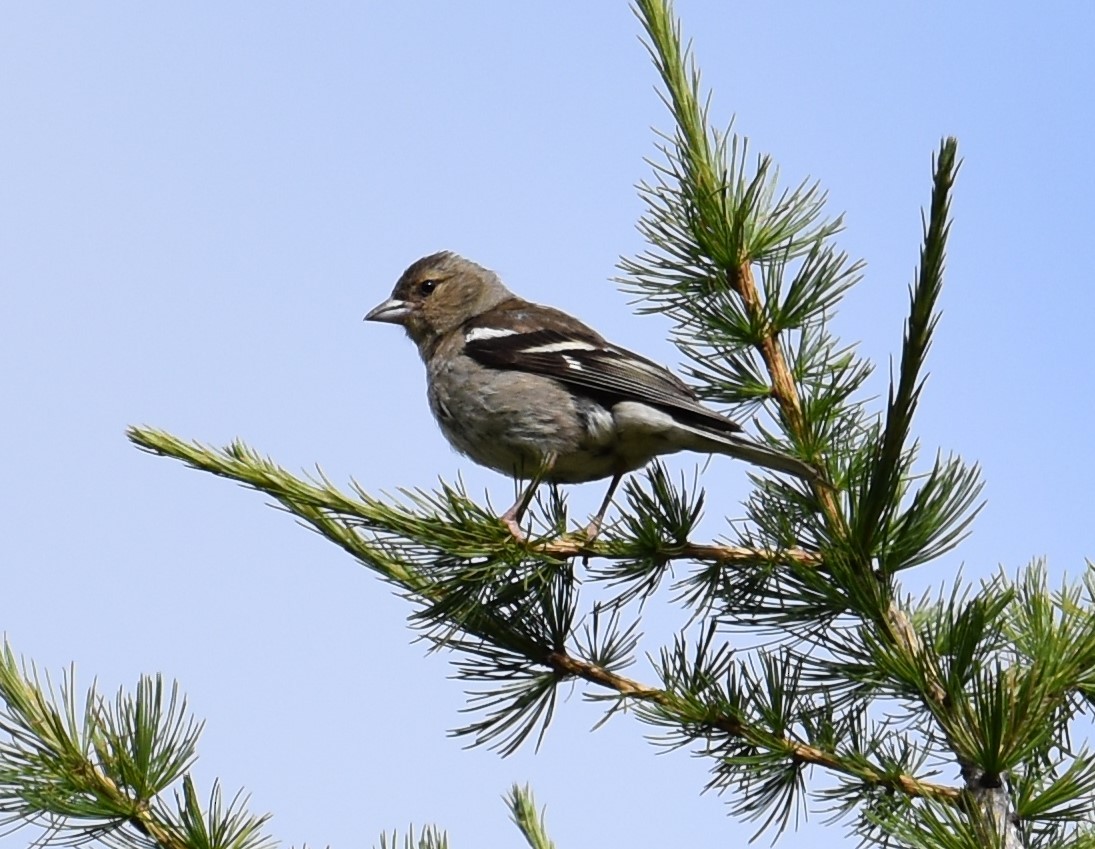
728, 555
784, 389
785, 393
564, 664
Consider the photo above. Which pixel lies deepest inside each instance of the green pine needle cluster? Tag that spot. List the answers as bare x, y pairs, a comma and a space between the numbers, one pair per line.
84, 768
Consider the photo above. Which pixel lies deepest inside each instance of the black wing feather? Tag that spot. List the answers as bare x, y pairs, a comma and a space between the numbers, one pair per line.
585, 361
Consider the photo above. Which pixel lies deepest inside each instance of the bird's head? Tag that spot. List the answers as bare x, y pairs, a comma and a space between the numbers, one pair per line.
437, 294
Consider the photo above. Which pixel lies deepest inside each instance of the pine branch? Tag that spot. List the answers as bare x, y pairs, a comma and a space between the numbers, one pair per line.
728, 228
719, 555
523, 812
709, 221
329, 511
884, 491
447, 523
799, 752
82, 768
428, 838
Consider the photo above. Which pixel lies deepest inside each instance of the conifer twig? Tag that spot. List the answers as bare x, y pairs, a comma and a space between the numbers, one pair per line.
725, 555
564, 664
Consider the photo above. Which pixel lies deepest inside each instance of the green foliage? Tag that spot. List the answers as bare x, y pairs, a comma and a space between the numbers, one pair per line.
857, 700
875, 690
82, 767
429, 838
523, 811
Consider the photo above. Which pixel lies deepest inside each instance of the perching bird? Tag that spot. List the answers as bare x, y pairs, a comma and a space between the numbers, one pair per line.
535, 394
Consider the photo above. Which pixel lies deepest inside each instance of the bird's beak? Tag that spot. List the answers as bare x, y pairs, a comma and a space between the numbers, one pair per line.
393, 311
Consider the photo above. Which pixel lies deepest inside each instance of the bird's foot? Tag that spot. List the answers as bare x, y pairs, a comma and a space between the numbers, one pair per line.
509, 519
593, 529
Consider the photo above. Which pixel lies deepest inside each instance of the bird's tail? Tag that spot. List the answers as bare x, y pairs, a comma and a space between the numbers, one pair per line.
744, 448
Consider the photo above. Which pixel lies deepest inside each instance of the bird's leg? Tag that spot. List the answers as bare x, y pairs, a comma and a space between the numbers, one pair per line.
512, 517
594, 527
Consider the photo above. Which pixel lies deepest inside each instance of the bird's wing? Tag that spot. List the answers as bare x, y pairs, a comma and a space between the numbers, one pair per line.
541, 340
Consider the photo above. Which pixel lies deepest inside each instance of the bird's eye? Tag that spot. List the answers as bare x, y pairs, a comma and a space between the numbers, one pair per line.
427, 286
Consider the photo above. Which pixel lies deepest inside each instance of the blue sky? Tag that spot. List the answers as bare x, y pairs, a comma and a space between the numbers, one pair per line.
200, 201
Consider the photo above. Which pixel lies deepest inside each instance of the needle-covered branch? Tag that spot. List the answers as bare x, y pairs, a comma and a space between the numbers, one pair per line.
84, 769
429, 525
464, 619
666, 708
80, 767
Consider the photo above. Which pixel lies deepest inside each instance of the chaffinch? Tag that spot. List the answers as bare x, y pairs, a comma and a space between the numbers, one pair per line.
535, 394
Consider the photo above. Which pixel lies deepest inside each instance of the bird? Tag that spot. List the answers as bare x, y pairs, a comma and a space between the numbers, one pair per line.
534, 393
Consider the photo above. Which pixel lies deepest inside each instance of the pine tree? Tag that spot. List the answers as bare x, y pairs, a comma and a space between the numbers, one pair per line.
871, 689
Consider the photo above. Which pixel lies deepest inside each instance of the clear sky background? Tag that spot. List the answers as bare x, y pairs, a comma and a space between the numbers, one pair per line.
199, 202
